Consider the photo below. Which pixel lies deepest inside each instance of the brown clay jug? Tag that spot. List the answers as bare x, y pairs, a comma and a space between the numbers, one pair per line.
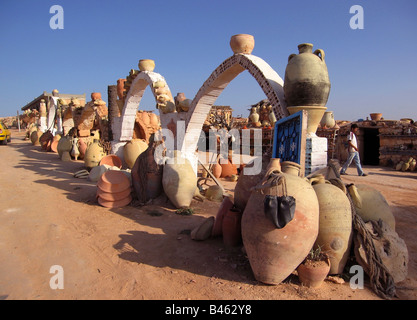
179, 180
231, 228
335, 225
274, 253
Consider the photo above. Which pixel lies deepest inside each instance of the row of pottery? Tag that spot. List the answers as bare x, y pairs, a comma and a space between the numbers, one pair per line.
114, 189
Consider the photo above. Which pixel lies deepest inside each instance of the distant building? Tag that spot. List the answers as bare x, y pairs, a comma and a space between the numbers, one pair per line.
34, 104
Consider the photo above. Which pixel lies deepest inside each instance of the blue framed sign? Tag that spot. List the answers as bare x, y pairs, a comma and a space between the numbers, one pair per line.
288, 144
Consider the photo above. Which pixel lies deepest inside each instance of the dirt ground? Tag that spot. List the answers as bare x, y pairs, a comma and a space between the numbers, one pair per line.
48, 218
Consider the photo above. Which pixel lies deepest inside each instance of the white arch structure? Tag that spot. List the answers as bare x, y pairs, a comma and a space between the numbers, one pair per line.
270, 82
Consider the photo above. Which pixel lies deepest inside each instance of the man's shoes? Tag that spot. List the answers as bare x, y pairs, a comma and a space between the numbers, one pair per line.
343, 173
363, 174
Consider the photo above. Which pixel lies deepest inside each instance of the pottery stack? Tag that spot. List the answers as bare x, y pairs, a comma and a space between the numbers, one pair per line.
114, 189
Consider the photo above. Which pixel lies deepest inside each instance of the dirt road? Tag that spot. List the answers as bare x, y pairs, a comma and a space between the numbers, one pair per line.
49, 218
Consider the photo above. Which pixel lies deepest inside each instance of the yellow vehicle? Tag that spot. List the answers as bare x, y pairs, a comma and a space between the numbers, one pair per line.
5, 134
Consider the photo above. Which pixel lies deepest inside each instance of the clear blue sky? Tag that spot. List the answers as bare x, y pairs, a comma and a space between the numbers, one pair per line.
371, 70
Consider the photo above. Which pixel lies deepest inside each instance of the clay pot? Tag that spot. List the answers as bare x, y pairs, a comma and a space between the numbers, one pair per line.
327, 121
66, 156
370, 204
314, 116
45, 140
132, 150
290, 167
54, 146
275, 253
82, 147
113, 181
113, 196
335, 225
180, 97
93, 154
121, 88
313, 273
146, 65
35, 136
111, 160
226, 205
179, 180
95, 96
247, 181
242, 43
115, 204
228, 169
74, 150
217, 170
231, 228
203, 231
306, 78
254, 117
214, 193
147, 176
376, 116
154, 120
64, 145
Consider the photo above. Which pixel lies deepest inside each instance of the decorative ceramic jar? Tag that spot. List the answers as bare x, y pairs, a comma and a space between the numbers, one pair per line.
96, 96
328, 120
307, 84
64, 145
274, 253
335, 225
312, 273
93, 154
376, 116
146, 65
306, 78
179, 180
242, 43
132, 150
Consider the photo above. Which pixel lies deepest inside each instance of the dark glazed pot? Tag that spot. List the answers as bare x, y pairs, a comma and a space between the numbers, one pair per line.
306, 78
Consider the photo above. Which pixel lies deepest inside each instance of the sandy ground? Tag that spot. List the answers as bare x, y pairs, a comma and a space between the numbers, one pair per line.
48, 218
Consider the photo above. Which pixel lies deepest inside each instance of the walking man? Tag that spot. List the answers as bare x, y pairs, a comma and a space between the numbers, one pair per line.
353, 152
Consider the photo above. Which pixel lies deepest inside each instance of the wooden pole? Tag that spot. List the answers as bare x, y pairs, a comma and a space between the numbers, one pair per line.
18, 120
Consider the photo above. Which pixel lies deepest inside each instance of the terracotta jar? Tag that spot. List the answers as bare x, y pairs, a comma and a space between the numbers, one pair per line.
45, 140
35, 136
179, 180
132, 150
306, 78
328, 120
93, 154
121, 88
254, 117
154, 120
313, 273
231, 228
74, 150
370, 204
290, 167
250, 177
228, 169
96, 96
242, 43
147, 175
335, 225
146, 65
224, 208
376, 116
217, 170
82, 147
274, 253
64, 145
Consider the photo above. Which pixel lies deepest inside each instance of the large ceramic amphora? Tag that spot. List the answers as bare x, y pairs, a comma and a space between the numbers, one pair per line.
274, 253
132, 150
306, 78
64, 145
93, 154
370, 204
335, 225
147, 175
179, 180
